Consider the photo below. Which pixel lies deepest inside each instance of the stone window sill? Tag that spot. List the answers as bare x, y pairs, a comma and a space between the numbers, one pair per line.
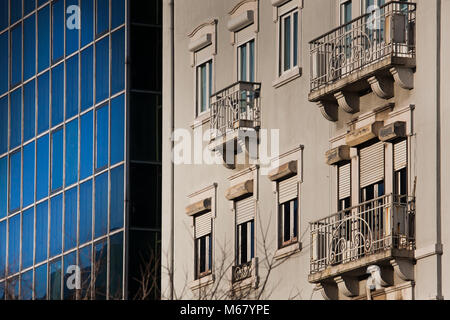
201, 120
287, 77
202, 282
288, 251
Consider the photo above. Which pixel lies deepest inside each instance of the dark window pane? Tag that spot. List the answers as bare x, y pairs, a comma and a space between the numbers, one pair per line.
87, 21
16, 55
86, 268
87, 78
71, 30
16, 10
14, 244
101, 205
16, 119
43, 102
2, 249
116, 267
57, 159
71, 152
100, 260
56, 226
4, 9
117, 198
29, 110
15, 181
85, 212
72, 87
117, 13
70, 292
29, 47
3, 187
28, 6
58, 25
2, 288
28, 174
117, 129
295, 49
102, 69
27, 238
4, 61
26, 286
3, 124
43, 38
55, 280
40, 283
102, 137
86, 145
41, 231
57, 94
42, 158
70, 219
12, 291
102, 16
118, 61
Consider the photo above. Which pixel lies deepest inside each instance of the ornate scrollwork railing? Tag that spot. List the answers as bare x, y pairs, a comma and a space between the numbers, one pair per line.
242, 271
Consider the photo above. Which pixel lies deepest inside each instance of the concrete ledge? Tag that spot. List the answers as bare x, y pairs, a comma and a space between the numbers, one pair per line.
242, 189
283, 171
199, 207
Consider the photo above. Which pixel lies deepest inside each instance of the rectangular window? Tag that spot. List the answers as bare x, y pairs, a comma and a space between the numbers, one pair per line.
42, 167
85, 260
3, 187
29, 110
4, 62
116, 267
86, 145
43, 38
87, 22
100, 269
3, 124
43, 102
117, 13
29, 47
101, 205
70, 219
57, 95
15, 138
118, 60
289, 41
14, 244
29, 6
15, 179
72, 87
102, 70
87, 78
70, 259
204, 86
4, 9
117, 198
71, 163
288, 211
245, 242
27, 238
16, 10
40, 283
2, 249
85, 212
57, 159
102, 24
28, 174
72, 33
203, 245
55, 280
246, 61
102, 130
26, 286
401, 170
58, 26
41, 231
56, 215
117, 129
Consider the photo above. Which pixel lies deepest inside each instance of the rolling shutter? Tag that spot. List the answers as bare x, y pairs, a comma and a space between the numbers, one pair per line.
288, 189
203, 225
344, 181
400, 155
371, 162
245, 210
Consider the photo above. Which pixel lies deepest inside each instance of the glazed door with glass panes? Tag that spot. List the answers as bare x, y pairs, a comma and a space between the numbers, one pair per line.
246, 73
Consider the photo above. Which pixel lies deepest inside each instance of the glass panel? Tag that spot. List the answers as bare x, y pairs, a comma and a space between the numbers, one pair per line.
56, 226
41, 231
26, 286
71, 174
42, 158
287, 43
40, 283
102, 137
4, 9
71, 30
29, 110
12, 292
43, 102
295, 49
16, 119
16, 10
116, 267
4, 61
28, 6
86, 145
27, 238
86, 267
85, 212
55, 280
3, 187
117, 198
102, 16
117, 13
87, 21
28, 174
58, 26
3, 125
70, 219
15, 179
57, 95
2, 249
2, 284
118, 60
87, 78
101, 205
57, 159
70, 292
102, 69
72, 87
243, 60
100, 260
29, 47
14, 244
252, 60
43, 38
117, 129
204, 93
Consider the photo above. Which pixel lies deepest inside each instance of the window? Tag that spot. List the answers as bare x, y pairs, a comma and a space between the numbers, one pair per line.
27, 238
26, 285
72, 87
15, 179
245, 230
246, 61
4, 47
15, 137
117, 13
87, 78
4, 14
100, 269
85, 212
55, 280
102, 130
3, 187
58, 26
3, 124
70, 219
85, 262
28, 174
40, 283
43, 38
288, 211
43, 102
118, 60
71, 34
116, 267
101, 205
117, 129
102, 70
57, 95
57, 159
29, 47
14, 244
2, 249
42, 167
102, 16
29, 5
71, 164
204, 86
371, 162
401, 170
289, 41
56, 230
87, 21
69, 260
117, 198
29, 110
16, 10
203, 245
41, 231
86, 145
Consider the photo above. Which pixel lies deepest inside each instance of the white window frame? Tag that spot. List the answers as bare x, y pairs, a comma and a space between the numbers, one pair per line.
239, 61
209, 86
292, 54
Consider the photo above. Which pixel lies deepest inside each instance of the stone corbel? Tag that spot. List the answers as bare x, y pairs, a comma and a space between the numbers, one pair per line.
329, 110
199, 207
348, 101
329, 291
283, 171
404, 268
383, 87
349, 286
243, 189
404, 77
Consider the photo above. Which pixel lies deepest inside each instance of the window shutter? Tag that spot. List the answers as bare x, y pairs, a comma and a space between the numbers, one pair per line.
344, 181
245, 210
203, 225
371, 162
288, 189
400, 155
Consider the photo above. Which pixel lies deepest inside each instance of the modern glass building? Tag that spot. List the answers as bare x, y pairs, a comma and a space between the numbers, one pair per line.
80, 146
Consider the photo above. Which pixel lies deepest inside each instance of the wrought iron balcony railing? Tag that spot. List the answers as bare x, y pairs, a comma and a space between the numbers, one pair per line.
378, 225
237, 106
387, 31
242, 271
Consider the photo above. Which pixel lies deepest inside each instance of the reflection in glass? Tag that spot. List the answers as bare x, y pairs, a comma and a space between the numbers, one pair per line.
57, 159
27, 238
70, 219
56, 226
42, 158
71, 164
28, 174
86, 145
55, 280
101, 205
14, 244
14, 181
102, 129
85, 212
117, 198
41, 231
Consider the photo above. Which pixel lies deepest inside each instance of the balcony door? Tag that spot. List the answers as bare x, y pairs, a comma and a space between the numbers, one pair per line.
246, 72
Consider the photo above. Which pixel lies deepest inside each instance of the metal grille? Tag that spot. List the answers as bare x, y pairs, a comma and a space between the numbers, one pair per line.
400, 155
371, 161
203, 225
344, 181
245, 210
288, 189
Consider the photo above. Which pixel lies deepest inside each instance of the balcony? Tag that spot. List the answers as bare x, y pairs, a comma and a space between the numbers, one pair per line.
374, 232
234, 108
369, 52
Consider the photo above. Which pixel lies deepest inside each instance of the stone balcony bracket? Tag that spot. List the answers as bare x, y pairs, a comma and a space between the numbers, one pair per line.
383, 87
404, 77
328, 290
404, 268
329, 110
348, 101
348, 286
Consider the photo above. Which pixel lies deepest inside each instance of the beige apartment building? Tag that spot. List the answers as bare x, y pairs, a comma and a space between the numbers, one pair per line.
309, 149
